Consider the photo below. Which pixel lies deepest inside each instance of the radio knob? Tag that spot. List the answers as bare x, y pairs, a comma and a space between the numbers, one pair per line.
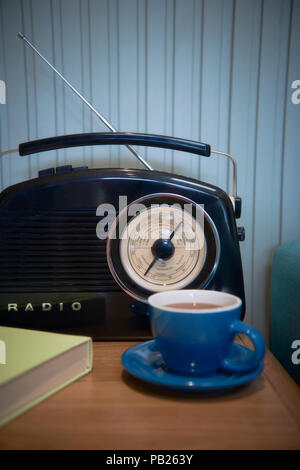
68, 168
47, 172
241, 233
237, 207
63, 169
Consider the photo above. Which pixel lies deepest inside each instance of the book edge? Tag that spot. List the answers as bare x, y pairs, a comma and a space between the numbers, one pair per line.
48, 394
81, 340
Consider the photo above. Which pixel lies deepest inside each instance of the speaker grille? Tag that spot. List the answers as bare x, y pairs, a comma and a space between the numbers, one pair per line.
52, 251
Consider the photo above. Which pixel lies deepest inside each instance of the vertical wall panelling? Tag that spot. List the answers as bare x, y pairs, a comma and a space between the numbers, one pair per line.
196, 80
127, 21
215, 90
245, 76
113, 58
86, 73
155, 41
290, 213
183, 48
270, 118
30, 83
14, 168
223, 167
4, 144
40, 78
219, 71
72, 67
101, 81
59, 86
169, 79
141, 68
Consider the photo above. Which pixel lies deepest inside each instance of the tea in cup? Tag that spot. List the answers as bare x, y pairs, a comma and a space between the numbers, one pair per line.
194, 331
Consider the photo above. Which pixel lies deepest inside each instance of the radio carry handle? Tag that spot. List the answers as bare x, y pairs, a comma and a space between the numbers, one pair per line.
114, 138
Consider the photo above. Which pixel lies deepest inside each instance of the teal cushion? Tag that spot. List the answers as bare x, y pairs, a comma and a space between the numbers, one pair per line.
285, 307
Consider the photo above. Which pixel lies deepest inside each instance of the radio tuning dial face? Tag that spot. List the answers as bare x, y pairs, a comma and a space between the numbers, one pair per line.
159, 250
169, 243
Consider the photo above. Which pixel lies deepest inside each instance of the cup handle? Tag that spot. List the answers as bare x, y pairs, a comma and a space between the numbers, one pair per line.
259, 349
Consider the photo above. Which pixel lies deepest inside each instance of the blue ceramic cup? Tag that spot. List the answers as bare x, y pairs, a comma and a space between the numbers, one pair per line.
197, 341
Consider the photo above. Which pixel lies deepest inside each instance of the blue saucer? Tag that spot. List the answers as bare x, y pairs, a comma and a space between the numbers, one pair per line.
145, 362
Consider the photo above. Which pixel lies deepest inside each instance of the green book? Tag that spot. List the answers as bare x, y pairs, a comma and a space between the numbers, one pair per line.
35, 364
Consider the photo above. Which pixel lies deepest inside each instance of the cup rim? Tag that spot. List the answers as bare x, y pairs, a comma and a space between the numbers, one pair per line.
155, 300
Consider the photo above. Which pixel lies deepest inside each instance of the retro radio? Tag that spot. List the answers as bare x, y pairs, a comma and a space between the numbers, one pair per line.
82, 249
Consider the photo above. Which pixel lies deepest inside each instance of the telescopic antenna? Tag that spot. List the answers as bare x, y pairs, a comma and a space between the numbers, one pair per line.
102, 118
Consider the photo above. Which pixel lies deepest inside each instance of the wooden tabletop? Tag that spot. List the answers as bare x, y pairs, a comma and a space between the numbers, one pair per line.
109, 409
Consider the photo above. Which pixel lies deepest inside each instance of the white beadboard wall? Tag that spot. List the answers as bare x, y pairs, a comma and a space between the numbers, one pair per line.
219, 71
